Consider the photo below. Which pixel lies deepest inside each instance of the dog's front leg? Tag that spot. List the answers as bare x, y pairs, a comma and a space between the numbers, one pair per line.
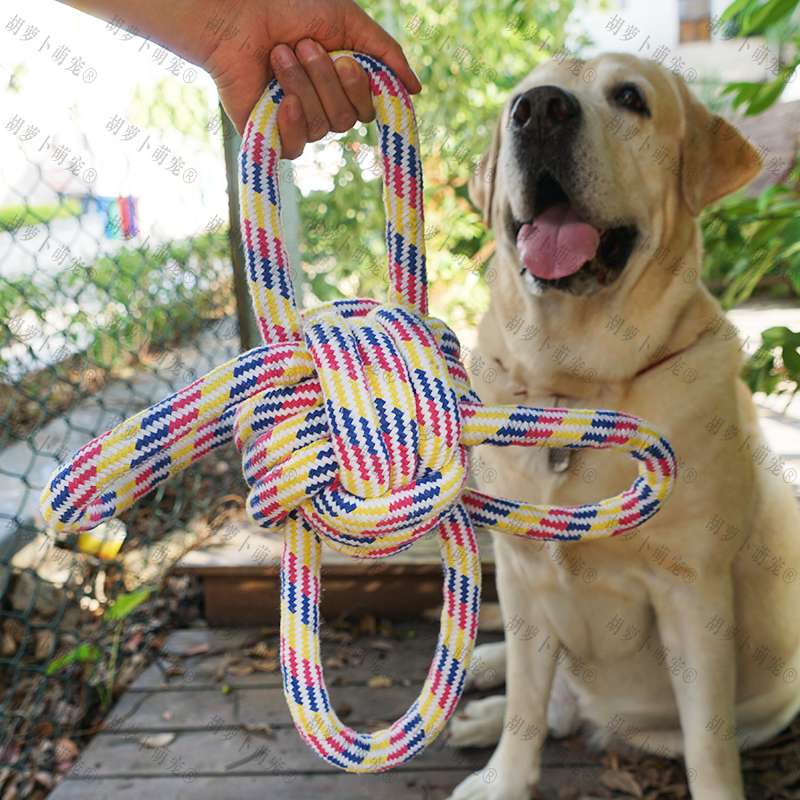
704, 681
531, 655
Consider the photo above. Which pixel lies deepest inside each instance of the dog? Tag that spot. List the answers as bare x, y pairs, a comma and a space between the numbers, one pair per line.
674, 638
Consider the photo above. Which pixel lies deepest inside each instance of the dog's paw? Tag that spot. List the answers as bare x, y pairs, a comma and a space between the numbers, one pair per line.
474, 787
488, 784
487, 669
479, 724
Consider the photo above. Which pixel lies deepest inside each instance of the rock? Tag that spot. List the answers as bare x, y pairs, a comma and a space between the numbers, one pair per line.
31, 594
45, 644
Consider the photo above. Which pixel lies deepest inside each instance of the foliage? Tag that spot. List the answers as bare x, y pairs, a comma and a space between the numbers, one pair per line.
86, 653
17, 216
82, 654
775, 366
127, 603
771, 18
753, 242
112, 311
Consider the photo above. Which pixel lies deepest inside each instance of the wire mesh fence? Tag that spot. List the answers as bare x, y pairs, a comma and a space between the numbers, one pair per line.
116, 288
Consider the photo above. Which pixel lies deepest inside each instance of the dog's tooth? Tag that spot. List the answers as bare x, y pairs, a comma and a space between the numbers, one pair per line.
531, 284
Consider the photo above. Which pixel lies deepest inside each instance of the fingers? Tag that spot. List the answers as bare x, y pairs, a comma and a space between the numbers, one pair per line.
320, 95
341, 115
292, 127
294, 80
356, 85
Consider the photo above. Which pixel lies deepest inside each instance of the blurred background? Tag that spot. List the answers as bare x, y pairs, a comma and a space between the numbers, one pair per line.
120, 280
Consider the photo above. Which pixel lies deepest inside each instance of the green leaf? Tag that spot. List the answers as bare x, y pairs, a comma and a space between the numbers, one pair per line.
758, 20
766, 96
734, 8
125, 604
791, 360
775, 337
81, 654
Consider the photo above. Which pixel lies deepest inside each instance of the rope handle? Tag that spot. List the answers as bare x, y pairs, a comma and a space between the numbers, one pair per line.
268, 269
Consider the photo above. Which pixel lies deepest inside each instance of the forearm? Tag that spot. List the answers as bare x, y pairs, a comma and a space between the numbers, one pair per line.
186, 27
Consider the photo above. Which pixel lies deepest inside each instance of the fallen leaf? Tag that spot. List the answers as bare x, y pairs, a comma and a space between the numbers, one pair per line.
65, 749
44, 779
380, 682
621, 781
156, 740
262, 650
240, 670
194, 650
265, 664
263, 729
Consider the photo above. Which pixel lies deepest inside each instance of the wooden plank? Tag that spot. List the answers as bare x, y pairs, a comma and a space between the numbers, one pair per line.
175, 711
404, 658
396, 785
243, 548
215, 640
223, 751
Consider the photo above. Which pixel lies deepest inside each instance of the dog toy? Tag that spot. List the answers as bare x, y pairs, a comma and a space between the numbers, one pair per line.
353, 420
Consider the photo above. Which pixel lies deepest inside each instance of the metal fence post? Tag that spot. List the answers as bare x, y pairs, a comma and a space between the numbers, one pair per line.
248, 330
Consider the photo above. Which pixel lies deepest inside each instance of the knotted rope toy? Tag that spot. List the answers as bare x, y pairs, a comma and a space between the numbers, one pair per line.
353, 420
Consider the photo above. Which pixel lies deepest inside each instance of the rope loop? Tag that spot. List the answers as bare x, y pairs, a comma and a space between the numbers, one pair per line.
354, 421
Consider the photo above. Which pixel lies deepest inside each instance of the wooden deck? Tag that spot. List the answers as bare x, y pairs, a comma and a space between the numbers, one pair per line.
208, 720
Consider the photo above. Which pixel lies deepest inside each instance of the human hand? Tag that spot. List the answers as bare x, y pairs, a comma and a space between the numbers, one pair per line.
320, 96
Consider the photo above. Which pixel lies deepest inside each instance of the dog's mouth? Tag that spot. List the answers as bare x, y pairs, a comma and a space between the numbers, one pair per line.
556, 243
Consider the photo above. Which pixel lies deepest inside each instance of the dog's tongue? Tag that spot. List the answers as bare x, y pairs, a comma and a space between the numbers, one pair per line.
557, 244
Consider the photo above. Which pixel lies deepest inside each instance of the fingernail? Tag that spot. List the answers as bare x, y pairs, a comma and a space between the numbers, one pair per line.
346, 68
283, 56
308, 48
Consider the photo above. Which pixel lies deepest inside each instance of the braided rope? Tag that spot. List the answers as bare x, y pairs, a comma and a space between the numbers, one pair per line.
353, 421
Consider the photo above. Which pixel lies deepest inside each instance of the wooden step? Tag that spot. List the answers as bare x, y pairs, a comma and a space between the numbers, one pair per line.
240, 573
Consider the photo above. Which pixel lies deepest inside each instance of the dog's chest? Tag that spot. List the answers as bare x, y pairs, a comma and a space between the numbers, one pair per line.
592, 596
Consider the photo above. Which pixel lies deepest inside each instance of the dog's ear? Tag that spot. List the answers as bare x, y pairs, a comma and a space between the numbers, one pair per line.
482, 180
715, 158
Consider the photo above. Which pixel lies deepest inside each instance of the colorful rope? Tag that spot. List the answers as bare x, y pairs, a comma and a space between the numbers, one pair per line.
354, 421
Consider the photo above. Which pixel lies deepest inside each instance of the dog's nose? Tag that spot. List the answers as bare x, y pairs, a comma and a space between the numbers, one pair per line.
546, 108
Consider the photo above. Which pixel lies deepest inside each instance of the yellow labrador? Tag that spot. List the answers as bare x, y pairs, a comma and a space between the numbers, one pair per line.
682, 637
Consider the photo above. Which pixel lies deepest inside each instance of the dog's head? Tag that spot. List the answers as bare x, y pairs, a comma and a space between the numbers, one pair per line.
593, 163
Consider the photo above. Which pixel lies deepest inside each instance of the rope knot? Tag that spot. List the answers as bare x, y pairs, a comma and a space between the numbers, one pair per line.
353, 422
369, 450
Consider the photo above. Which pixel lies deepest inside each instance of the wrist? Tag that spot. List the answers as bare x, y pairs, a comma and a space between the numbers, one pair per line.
192, 29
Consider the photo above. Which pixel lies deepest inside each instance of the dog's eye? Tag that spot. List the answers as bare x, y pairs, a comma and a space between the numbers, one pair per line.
629, 97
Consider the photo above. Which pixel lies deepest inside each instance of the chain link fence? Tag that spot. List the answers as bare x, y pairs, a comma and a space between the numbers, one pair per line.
116, 288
